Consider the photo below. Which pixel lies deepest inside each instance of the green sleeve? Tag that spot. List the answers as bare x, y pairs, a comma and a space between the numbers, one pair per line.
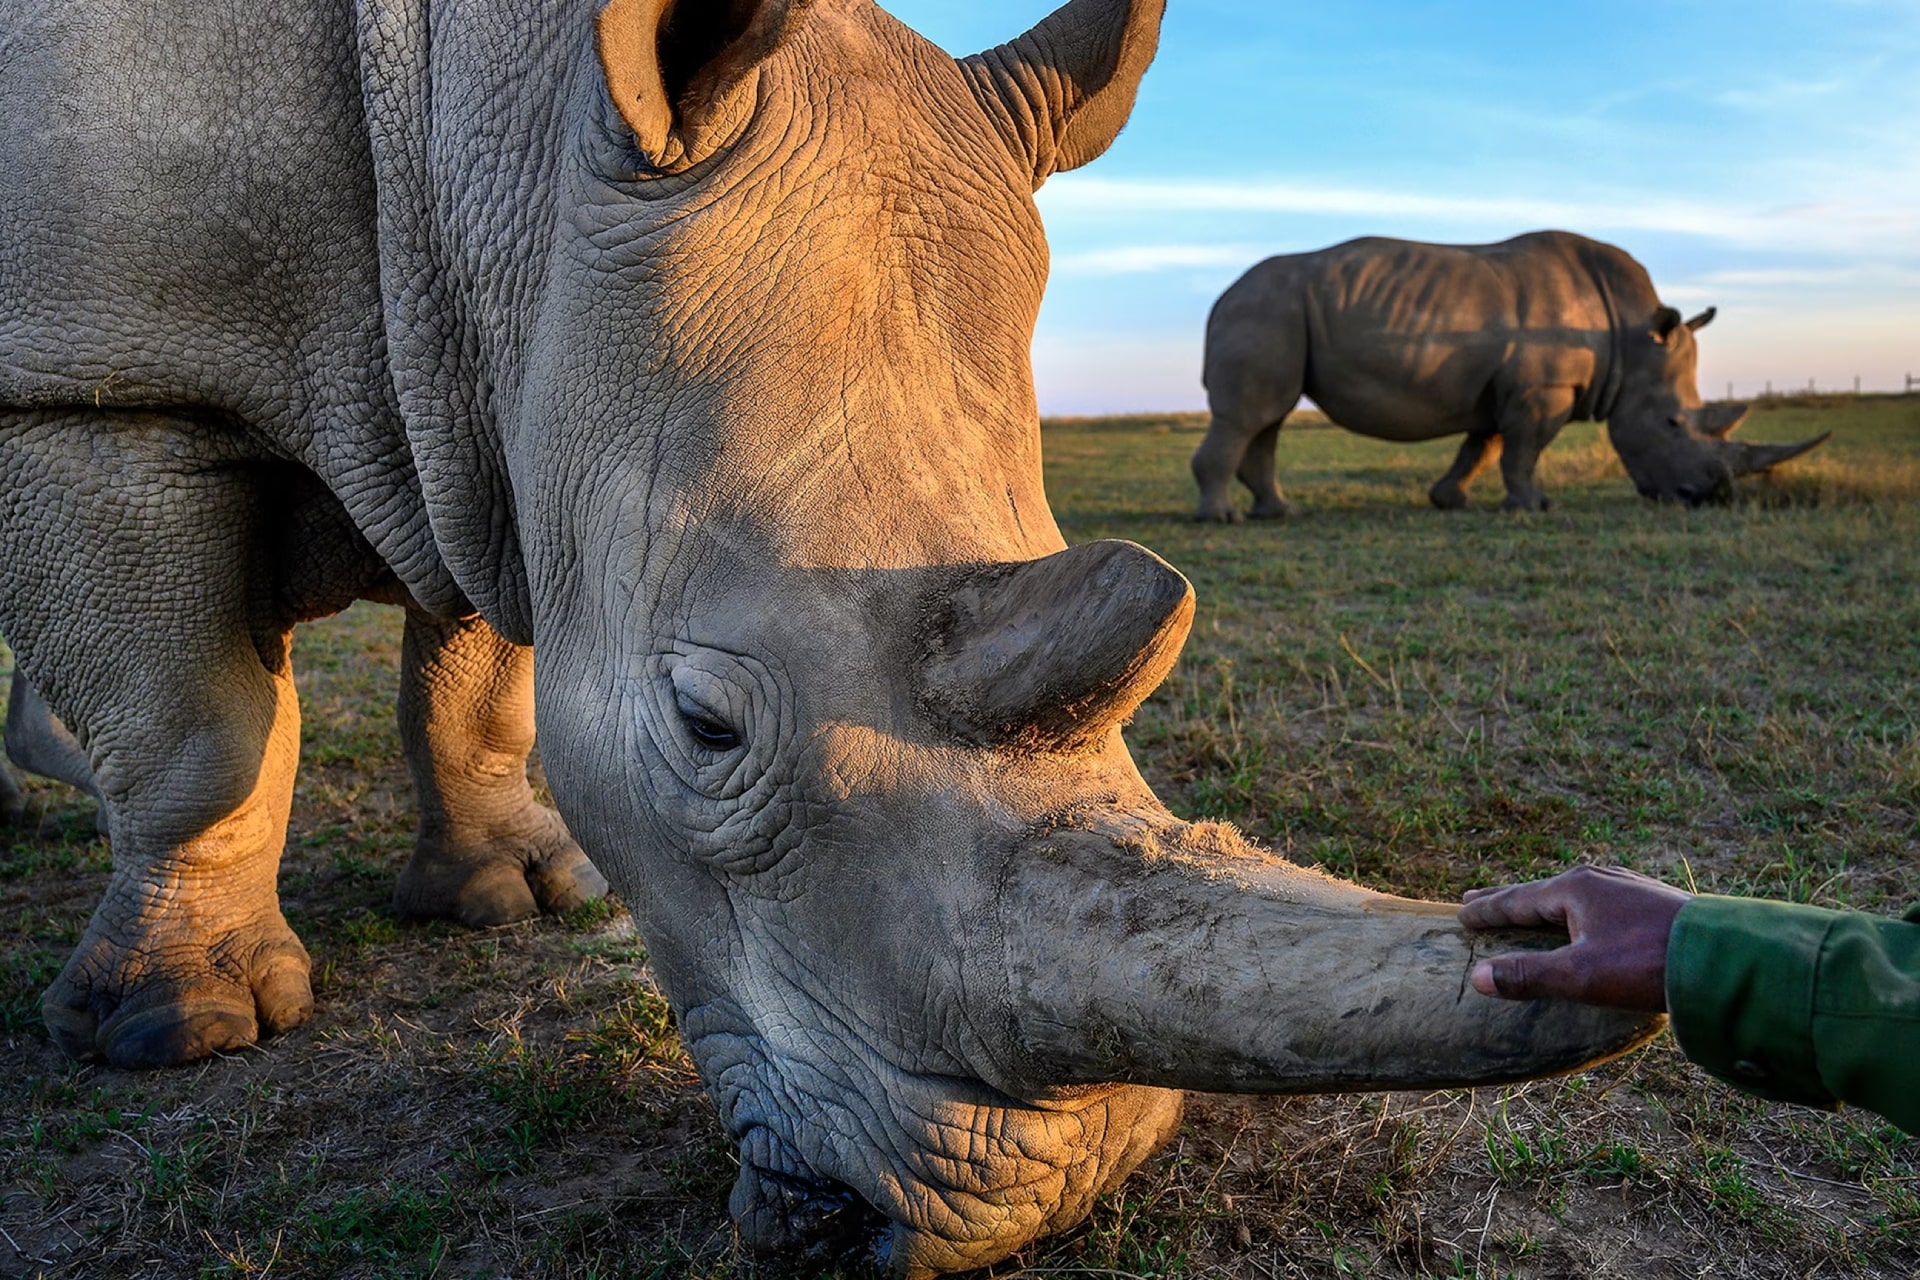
1799, 1004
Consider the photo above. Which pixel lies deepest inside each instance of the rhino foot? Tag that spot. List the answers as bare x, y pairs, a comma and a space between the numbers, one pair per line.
1272, 509
1448, 497
148, 998
531, 866
1222, 514
1533, 502
13, 804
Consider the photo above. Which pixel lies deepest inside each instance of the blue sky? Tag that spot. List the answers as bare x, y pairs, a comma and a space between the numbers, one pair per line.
1761, 157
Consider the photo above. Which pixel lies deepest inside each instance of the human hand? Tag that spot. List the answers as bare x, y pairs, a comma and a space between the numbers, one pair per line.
1619, 922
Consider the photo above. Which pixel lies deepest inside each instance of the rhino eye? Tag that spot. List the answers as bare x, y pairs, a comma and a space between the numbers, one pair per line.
707, 731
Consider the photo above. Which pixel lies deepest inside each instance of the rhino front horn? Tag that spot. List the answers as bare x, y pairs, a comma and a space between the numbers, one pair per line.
1751, 459
1048, 655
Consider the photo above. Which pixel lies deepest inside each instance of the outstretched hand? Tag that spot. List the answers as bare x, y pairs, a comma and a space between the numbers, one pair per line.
1619, 922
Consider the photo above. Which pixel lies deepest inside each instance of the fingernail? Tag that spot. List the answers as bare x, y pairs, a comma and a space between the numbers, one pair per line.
1482, 979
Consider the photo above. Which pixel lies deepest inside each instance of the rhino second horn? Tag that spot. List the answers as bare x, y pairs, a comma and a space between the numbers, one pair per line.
1050, 654
1751, 459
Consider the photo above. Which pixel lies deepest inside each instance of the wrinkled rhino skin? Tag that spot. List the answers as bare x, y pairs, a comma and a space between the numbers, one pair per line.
689, 345
1504, 343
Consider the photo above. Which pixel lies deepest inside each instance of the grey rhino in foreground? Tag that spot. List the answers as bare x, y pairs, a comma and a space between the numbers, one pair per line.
688, 344
1504, 343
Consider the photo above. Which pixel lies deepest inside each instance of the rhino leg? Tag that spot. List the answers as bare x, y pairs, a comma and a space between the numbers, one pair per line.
1258, 472
12, 802
134, 591
1241, 444
1527, 426
488, 852
38, 743
1477, 453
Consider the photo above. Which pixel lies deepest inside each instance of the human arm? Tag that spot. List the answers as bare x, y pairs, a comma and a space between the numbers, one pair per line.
1792, 1003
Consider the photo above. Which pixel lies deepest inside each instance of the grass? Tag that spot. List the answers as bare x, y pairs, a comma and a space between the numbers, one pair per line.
1426, 702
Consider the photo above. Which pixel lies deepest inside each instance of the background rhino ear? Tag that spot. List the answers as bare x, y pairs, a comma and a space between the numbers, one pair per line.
1704, 319
1666, 322
1061, 93
670, 63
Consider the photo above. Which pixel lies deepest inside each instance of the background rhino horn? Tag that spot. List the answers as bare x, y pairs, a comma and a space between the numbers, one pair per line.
1061, 92
1721, 420
1751, 459
1050, 654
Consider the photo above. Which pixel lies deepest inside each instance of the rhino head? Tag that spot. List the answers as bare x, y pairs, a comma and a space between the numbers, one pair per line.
1675, 446
823, 692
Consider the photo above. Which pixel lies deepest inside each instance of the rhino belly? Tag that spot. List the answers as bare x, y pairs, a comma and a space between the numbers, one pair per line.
1395, 408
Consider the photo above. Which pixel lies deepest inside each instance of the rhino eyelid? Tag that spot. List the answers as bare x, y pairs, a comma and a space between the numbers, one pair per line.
708, 730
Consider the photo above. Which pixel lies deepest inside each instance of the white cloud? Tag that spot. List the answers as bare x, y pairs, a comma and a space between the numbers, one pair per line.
1833, 226
1141, 259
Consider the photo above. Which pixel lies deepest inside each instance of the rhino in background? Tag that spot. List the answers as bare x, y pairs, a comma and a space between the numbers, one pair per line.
1504, 343
37, 742
688, 343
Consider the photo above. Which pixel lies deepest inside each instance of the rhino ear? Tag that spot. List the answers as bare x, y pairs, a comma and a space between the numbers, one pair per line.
1061, 93
1704, 319
670, 64
1666, 323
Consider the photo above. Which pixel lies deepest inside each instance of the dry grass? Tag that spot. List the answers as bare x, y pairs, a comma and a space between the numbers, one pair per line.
1423, 701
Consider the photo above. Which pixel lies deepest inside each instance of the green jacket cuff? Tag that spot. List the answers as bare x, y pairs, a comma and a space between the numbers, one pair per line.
1741, 984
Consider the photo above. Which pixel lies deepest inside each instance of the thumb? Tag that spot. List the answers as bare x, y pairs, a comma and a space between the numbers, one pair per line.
1528, 975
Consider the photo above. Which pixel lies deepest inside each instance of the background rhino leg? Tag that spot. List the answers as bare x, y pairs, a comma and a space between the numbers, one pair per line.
1477, 452
12, 803
1241, 441
1258, 472
134, 595
38, 743
488, 852
1528, 425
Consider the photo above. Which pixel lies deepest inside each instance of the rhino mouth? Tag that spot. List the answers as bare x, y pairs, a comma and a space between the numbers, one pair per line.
1716, 493
927, 1174
825, 1221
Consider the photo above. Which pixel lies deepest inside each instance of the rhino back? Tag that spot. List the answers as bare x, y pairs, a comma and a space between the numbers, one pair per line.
1411, 341
189, 204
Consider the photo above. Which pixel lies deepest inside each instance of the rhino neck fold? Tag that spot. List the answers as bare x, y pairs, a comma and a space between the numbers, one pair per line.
1603, 396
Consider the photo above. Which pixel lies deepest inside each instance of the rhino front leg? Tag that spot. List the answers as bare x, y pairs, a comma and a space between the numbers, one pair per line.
1528, 426
38, 743
1477, 453
488, 852
12, 802
133, 594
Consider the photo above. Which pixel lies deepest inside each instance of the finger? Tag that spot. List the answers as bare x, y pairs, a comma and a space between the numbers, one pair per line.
1516, 906
1531, 975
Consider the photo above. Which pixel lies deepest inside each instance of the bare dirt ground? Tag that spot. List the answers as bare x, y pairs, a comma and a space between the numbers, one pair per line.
1424, 702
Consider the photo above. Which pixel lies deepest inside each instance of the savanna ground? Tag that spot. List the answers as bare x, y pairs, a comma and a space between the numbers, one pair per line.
1727, 698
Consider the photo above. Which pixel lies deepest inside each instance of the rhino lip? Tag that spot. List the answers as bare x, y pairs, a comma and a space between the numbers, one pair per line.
830, 1222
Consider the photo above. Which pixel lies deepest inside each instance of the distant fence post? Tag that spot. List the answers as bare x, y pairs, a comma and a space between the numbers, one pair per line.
1912, 382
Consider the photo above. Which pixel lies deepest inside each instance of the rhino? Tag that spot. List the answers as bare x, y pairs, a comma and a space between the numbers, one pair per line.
670, 363
37, 742
1503, 343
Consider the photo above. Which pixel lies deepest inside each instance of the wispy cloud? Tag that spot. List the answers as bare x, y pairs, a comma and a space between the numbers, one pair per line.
1142, 259
1829, 226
